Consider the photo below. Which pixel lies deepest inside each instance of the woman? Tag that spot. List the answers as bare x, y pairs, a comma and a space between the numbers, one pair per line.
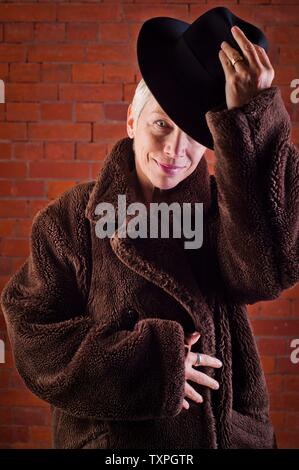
101, 328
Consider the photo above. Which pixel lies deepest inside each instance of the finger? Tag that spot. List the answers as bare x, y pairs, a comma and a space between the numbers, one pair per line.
263, 56
191, 339
185, 404
246, 46
228, 69
191, 393
203, 379
231, 54
206, 360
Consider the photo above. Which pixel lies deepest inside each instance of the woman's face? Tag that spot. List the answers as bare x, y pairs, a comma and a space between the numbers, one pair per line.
158, 141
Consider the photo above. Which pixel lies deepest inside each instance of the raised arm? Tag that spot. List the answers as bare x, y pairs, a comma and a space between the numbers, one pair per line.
132, 371
256, 176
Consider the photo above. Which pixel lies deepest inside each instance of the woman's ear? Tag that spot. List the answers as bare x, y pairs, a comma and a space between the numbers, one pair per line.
130, 122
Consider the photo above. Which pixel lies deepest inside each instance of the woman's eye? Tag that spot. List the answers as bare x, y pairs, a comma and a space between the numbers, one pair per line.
161, 120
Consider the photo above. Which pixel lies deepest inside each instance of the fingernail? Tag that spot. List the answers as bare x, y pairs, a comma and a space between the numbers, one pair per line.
219, 362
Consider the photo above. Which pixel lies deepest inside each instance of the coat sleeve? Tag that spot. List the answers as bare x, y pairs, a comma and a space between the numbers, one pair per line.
132, 371
256, 175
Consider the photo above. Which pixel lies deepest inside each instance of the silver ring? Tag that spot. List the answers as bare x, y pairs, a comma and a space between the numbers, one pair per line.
198, 360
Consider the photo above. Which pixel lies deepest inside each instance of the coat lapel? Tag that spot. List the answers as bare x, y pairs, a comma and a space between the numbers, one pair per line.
159, 260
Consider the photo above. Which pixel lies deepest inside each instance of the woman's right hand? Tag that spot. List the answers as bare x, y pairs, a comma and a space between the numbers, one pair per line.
195, 375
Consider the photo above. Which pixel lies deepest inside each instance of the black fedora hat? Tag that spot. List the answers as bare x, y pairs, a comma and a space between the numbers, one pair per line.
180, 64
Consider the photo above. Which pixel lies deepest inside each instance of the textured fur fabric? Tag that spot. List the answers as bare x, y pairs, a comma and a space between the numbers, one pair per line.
97, 325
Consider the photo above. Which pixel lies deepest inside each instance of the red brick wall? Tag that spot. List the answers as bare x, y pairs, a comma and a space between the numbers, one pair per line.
70, 72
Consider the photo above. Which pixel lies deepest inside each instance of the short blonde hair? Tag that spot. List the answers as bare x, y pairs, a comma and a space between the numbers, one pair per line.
141, 96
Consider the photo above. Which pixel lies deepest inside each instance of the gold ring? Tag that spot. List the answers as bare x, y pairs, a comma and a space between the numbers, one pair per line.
236, 59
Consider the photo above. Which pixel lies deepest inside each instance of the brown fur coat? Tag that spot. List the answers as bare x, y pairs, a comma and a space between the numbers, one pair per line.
97, 325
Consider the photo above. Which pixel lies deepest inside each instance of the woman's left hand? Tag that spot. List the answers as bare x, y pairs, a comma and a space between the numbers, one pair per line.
248, 77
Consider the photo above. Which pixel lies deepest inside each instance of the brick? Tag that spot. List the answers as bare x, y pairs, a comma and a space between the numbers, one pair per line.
13, 434
143, 12
129, 91
4, 379
116, 112
5, 415
114, 32
119, 73
40, 433
291, 382
46, 32
12, 53
22, 112
13, 131
30, 92
295, 308
285, 365
272, 346
12, 208
284, 74
287, 440
109, 131
36, 205
6, 228
55, 188
93, 93
86, 112
28, 188
275, 327
268, 364
56, 73
87, 73
30, 12
59, 151
292, 293
284, 401
91, 152
292, 421
254, 309
5, 150
59, 170
13, 169
24, 72
279, 308
29, 416
18, 32
274, 383
110, 53
56, 111
276, 15
62, 131
28, 151
282, 34
14, 247
17, 262
278, 419
5, 268
88, 13
22, 229
52, 53
82, 32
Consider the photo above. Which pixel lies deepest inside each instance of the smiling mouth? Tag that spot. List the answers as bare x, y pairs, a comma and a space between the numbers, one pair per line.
169, 169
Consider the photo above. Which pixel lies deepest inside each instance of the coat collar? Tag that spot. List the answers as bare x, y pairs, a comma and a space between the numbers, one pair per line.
150, 257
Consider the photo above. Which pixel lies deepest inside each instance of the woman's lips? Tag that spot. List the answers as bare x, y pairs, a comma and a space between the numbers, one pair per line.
169, 169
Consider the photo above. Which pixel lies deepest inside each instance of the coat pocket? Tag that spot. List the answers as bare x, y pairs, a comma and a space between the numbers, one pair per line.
102, 441
251, 433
